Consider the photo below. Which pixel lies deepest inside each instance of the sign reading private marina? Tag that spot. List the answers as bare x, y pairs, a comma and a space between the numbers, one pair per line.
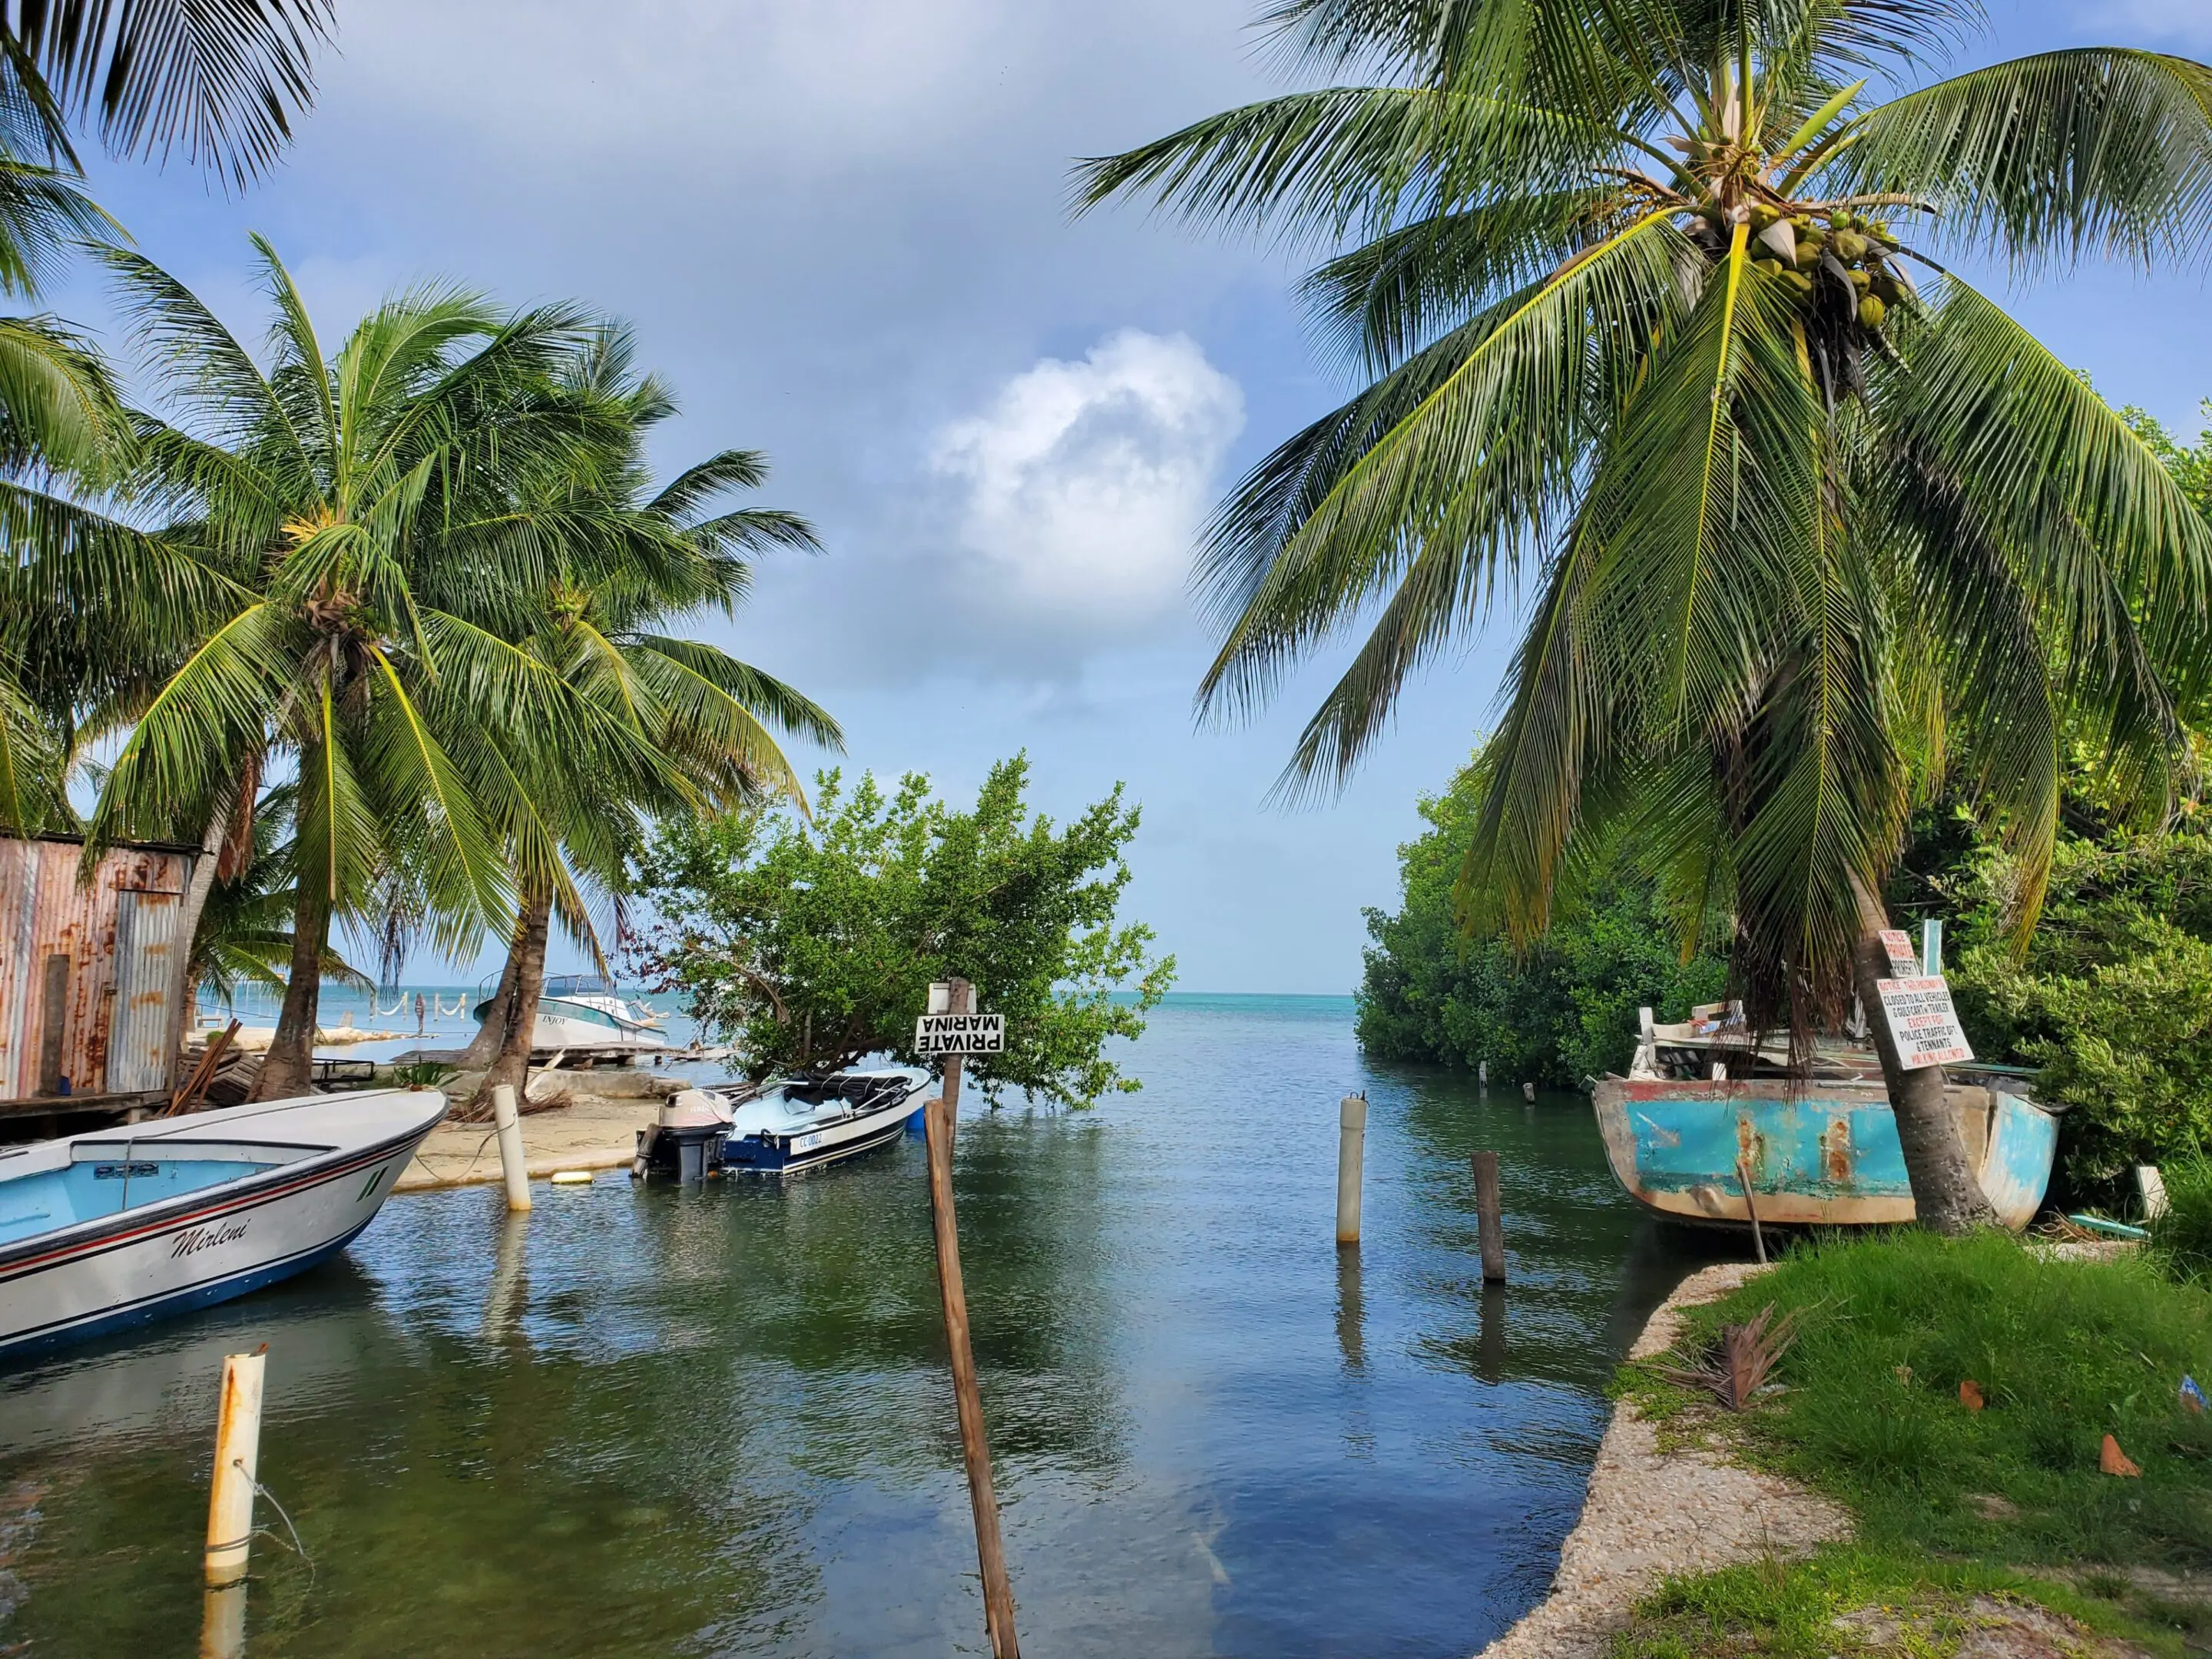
1897, 944
960, 1034
1923, 1023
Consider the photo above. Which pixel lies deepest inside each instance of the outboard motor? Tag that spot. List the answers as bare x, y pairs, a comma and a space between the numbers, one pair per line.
687, 1141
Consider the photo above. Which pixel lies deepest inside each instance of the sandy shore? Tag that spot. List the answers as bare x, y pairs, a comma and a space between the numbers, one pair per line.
595, 1131
1652, 1515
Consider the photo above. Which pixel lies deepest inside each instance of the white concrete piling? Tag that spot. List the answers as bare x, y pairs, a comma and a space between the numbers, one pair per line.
511, 1168
237, 1452
1351, 1152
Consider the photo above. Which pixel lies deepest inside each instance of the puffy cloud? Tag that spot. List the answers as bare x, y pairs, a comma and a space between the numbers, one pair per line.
1083, 484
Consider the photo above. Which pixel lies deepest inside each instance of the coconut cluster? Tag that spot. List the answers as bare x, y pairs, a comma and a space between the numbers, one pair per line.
1847, 248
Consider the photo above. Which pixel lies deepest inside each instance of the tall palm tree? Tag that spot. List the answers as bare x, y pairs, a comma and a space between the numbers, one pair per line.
1647, 293
631, 564
220, 83
305, 492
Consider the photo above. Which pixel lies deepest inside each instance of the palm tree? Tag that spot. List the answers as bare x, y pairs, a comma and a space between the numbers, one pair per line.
305, 491
153, 76
629, 563
1647, 293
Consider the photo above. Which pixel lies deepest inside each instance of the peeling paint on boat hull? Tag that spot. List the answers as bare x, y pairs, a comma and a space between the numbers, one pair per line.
1827, 1156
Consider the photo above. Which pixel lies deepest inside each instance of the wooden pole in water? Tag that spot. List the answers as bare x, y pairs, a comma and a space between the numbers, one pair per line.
511, 1167
1489, 1217
237, 1451
975, 1445
1350, 1156
1758, 1237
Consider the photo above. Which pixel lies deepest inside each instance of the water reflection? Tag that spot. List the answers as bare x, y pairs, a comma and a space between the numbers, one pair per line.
644, 1421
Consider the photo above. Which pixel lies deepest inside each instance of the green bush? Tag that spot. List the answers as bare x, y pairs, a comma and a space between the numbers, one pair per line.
2113, 1000
1564, 1010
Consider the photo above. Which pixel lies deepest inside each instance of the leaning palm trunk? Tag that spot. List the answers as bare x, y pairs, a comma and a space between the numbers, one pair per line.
491, 1030
1946, 1196
517, 1025
288, 1067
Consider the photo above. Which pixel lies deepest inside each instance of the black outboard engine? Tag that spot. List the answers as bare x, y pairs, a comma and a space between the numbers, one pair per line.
688, 1141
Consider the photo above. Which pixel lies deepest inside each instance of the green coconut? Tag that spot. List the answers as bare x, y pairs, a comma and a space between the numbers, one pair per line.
1850, 246
1798, 280
1860, 279
1772, 267
1872, 310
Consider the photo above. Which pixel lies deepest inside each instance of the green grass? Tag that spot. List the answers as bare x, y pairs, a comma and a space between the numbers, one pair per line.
1950, 1502
2181, 1240
1788, 1609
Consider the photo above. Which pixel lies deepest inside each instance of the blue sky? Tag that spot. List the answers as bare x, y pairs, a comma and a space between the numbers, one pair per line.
839, 227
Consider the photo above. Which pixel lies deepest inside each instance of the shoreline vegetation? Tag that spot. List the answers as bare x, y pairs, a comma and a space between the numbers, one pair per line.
1953, 1397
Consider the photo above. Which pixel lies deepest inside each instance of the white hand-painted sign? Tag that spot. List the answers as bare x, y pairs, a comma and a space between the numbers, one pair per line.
1898, 944
1924, 1022
960, 1034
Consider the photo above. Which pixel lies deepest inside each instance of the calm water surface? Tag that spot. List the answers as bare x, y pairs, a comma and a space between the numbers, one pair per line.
649, 1422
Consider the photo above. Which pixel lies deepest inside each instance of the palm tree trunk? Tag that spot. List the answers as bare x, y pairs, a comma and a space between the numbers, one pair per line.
1946, 1196
188, 926
527, 962
288, 1067
491, 1030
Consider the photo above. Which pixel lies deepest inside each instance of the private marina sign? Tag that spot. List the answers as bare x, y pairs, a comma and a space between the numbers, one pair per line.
960, 1034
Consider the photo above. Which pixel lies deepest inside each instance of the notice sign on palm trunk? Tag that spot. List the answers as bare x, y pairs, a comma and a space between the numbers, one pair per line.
1924, 1022
960, 1034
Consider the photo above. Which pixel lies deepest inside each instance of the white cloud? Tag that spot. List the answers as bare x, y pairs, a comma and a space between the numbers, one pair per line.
1084, 483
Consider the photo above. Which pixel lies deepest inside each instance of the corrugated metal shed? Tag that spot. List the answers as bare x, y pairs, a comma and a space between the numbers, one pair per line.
89, 974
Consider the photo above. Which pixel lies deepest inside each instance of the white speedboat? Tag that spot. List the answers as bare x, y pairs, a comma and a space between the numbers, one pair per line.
585, 1015
115, 1226
794, 1125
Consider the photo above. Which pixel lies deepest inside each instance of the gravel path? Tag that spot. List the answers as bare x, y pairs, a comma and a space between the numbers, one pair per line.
1650, 1515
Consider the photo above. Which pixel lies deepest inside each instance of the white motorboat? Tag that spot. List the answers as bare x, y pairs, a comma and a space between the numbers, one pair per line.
108, 1228
584, 1014
794, 1125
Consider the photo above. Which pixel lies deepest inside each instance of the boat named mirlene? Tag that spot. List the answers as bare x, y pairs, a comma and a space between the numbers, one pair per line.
1822, 1150
112, 1227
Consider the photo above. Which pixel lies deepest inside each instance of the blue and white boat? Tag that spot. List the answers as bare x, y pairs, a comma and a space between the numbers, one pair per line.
1701, 1106
800, 1123
112, 1227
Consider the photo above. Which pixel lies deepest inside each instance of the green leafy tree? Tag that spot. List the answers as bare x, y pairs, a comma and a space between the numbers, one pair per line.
812, 942
1560, 1010
1631, 284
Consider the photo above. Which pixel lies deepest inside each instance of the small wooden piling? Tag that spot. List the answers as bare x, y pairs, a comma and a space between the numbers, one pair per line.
968, 1398
512, 1168
237, 1452
1351, 1157
1489, 1217
1751, 1204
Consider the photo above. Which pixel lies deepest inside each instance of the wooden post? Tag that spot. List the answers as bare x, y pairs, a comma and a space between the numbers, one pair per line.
513, 1167
1489, 1217
237, 1451
1351, 1157
53, 1024
1758, 1237
975, 1445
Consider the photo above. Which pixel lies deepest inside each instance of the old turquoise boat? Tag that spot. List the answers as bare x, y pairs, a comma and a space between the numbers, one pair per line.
1821, 1152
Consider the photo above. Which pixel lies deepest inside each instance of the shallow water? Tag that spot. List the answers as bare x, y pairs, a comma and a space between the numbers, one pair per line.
648, 1421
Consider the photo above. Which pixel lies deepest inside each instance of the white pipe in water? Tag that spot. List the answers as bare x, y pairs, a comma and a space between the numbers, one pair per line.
1351, 1150
237, 1451
511, 1167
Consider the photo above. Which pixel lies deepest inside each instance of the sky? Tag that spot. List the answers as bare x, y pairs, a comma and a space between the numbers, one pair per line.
840, 230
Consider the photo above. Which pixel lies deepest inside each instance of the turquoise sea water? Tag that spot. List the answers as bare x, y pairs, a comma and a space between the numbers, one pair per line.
644, 1421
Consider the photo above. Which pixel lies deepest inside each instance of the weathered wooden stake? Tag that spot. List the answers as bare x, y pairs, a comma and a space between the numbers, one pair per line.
237, 1451
1351, 1154
1489, 1217
975, 1445
511, 1167
1758, 1237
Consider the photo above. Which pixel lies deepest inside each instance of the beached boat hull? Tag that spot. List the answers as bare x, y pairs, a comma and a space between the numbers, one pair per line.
1826, 1156
317, 1169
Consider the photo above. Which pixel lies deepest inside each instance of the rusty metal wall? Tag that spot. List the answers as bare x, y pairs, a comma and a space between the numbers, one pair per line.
118, 934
